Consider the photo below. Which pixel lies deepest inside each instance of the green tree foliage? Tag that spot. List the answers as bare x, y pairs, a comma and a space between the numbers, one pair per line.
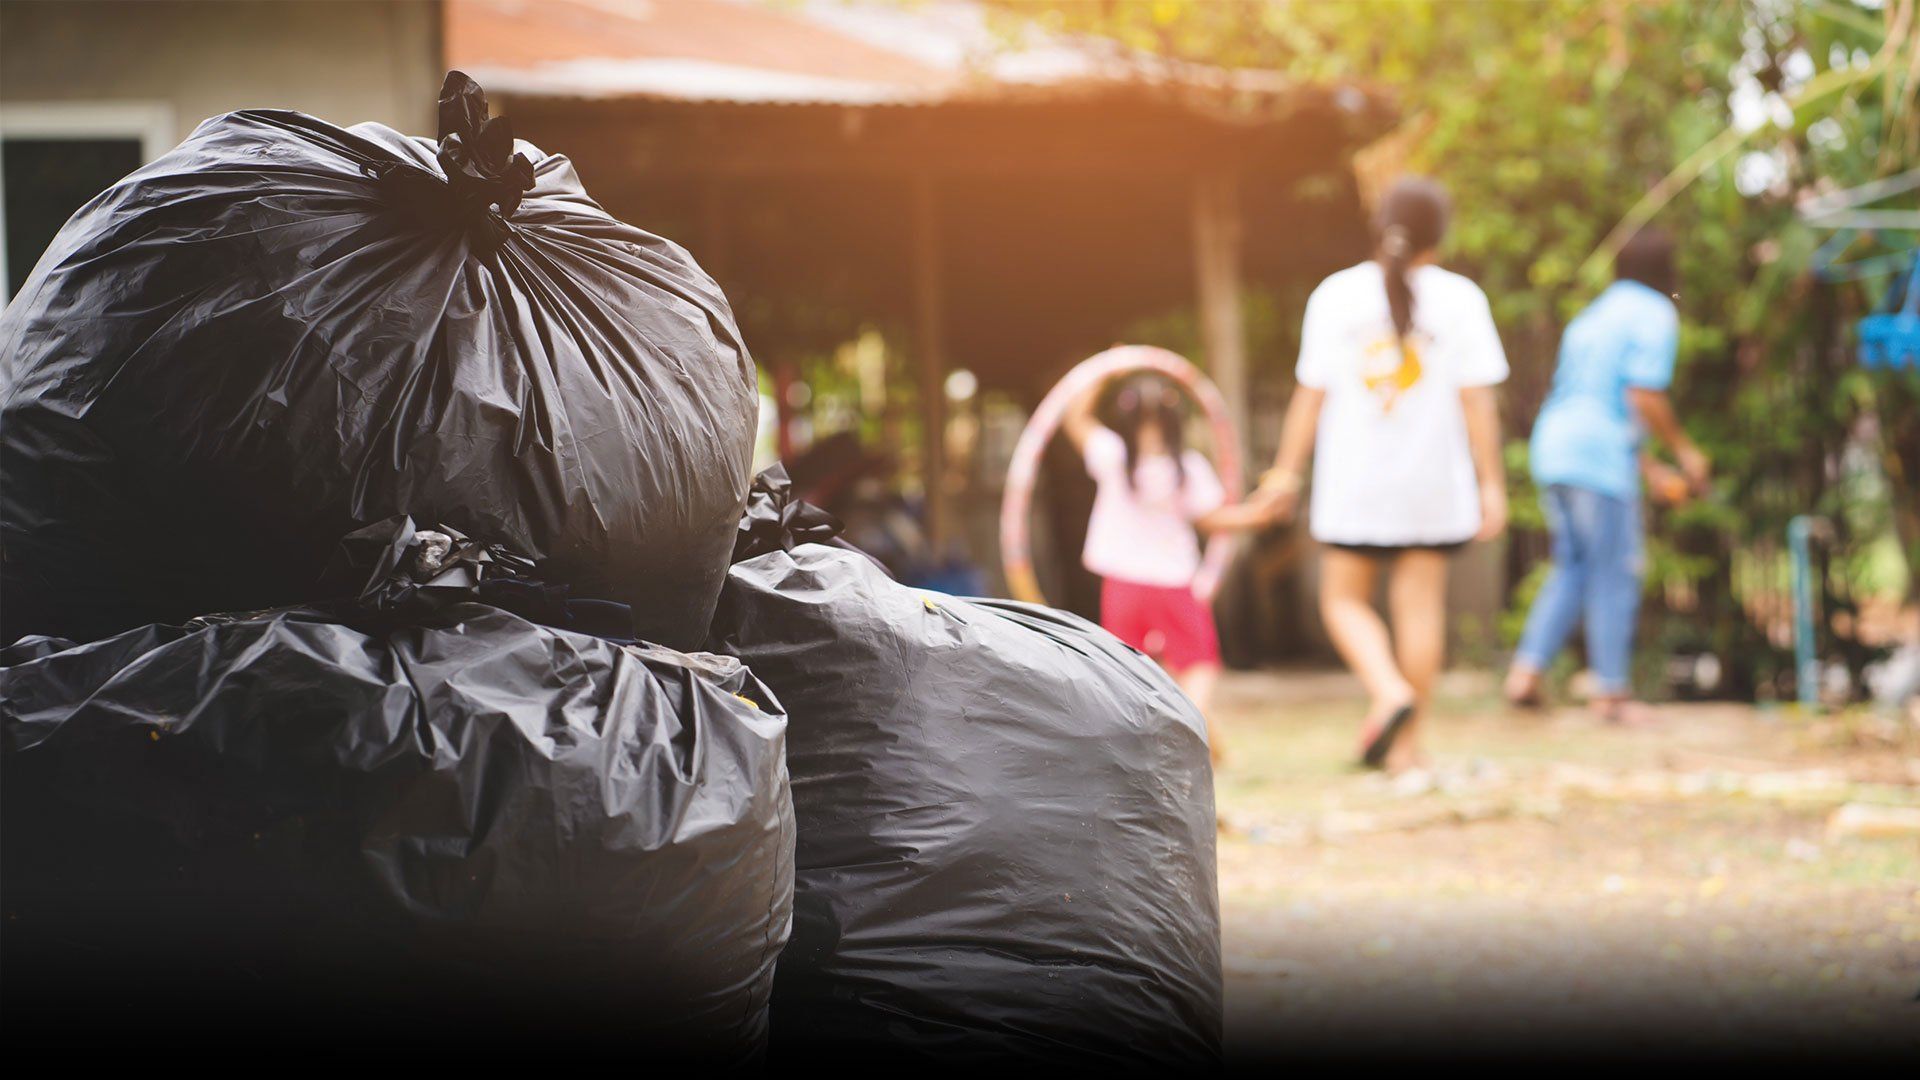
1562, 125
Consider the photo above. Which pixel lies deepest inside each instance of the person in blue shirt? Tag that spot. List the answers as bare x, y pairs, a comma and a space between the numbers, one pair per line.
1610, 386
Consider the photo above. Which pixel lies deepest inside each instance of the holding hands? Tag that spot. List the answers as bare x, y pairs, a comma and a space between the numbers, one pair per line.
1253, 514
1278, 495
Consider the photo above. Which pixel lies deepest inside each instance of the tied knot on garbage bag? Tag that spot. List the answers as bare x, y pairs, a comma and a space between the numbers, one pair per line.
394, 570
398, 369
477, 152
485, 177
777, 521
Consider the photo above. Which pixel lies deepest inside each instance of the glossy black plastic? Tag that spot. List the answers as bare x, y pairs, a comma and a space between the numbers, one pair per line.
283, 330
401, 817
1005, 822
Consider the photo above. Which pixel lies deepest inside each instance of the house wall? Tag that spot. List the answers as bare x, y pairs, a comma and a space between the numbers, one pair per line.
342, 60
123, 82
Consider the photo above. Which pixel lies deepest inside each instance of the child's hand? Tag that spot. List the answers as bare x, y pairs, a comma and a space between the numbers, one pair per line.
1278, 496
1251, 514
1278, 507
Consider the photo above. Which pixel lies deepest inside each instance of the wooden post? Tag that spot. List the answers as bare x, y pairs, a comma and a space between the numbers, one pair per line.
716, 238
782, 370
1216, 251
929, 331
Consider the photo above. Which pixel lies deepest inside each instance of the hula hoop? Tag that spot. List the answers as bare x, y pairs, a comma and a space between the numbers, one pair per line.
1017, 502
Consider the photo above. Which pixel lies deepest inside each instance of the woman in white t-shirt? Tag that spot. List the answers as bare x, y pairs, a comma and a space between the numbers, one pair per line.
1153, 493
1398, 363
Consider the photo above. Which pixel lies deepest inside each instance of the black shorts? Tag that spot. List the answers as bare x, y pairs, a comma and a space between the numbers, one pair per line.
1389, 551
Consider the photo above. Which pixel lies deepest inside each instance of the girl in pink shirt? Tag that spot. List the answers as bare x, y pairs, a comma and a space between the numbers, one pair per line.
1153, 493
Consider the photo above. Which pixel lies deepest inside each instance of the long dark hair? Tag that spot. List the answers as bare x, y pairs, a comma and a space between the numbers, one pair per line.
1411, 221
1150, 400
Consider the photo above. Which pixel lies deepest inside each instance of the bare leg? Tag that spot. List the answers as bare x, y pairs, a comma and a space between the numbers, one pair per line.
1417, 600
1198, 681
1347, 582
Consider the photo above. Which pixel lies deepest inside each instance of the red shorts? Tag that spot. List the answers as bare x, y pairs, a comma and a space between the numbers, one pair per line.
1169, 624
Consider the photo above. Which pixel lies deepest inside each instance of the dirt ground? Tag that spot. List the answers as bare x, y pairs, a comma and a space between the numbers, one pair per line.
1555, 883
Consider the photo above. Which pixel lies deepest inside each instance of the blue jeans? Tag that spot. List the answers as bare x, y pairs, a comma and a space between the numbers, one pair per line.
1598, 561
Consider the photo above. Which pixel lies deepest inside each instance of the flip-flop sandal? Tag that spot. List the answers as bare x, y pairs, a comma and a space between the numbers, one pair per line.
1375, 754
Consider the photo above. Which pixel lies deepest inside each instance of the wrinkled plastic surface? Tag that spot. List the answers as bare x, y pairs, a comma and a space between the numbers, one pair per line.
282, 330
1005, 825
410, 819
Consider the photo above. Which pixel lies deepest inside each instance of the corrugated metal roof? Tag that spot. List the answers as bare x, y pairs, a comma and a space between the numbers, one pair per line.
829, 52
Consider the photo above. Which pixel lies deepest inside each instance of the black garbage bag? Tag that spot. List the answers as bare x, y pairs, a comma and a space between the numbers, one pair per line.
394, 818
1005, 820
283, 330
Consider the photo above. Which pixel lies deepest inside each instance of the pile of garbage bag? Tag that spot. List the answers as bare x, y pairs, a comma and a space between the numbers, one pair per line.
418, 801
282, 330
414, 779
1006, 822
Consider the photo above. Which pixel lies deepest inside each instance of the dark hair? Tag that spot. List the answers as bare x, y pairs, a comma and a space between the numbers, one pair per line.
1150, 399
1647, 257
1411, 220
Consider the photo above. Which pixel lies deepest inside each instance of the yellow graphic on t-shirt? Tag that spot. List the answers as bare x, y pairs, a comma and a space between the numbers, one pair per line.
1389, 368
